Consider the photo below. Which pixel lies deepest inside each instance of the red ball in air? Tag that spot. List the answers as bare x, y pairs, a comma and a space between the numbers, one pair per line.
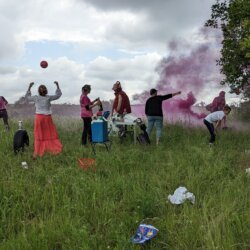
44, 64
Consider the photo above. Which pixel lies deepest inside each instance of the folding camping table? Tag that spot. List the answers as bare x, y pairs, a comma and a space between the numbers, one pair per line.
127, 123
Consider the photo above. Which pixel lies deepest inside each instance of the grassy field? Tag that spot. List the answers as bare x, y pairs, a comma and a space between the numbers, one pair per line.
56, 205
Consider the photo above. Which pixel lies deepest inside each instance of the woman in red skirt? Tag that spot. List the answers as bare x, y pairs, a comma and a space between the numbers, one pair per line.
45, 134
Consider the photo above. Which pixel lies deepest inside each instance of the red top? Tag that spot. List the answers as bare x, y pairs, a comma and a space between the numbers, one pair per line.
125, 105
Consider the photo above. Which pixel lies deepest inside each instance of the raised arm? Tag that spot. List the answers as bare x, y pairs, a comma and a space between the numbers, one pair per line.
165, 97
30, 86
58, 93
28, 95
176, 93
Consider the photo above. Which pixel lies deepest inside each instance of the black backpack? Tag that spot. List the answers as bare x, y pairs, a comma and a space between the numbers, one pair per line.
143, 138
21, 139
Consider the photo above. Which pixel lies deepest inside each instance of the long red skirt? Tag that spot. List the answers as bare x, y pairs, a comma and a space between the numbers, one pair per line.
45, 136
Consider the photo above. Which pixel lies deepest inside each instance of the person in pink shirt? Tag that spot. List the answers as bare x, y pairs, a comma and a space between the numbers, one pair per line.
86, 112
3, 112
218, 103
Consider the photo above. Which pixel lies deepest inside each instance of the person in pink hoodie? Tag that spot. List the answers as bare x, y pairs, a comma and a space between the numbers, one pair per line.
3, 112
218, 103
86, 112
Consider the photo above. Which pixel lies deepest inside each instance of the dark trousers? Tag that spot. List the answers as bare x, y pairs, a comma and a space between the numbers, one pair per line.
210, 128
4, 115
86, 130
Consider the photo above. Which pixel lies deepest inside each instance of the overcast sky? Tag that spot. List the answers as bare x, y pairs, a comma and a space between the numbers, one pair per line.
97, 42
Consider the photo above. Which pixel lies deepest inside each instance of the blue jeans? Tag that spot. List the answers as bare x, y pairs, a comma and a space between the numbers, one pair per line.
158, 121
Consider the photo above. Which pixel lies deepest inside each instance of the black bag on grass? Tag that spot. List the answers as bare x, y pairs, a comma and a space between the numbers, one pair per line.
143, 138
21, 139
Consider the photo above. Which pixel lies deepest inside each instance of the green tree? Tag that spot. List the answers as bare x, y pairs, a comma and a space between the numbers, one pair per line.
233, 18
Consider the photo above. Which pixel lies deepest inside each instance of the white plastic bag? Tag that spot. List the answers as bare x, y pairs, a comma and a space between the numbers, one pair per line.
180, 195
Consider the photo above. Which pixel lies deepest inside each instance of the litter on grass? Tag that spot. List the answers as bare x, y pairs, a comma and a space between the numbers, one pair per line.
180, 195
24, 165
87, 163
248, 170
144, 233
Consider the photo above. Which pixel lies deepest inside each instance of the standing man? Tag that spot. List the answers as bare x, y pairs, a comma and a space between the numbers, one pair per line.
153, 110
3, 112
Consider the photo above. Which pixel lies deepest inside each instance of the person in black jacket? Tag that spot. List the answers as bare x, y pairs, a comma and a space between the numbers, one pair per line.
153, 111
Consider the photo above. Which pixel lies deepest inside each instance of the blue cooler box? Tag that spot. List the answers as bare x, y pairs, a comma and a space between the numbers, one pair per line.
99, 130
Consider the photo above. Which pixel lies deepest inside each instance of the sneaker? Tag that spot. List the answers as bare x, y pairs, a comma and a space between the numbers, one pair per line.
211, 144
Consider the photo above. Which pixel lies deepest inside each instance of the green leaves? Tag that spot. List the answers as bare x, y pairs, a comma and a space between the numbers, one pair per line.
233, 18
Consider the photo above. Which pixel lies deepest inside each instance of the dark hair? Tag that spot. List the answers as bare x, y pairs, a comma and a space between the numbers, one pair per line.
153, 91
226, 107
42, 90
86, 87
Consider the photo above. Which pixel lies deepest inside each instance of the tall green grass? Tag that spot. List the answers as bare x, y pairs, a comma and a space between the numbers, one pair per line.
56, 205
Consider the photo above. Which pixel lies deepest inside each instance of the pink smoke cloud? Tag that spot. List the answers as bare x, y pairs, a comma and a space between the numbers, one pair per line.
189, 73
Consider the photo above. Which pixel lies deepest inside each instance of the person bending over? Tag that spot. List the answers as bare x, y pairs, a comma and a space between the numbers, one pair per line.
216, 117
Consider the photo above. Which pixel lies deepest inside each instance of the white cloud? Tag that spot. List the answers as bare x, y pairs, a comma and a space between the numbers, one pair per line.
133, 34
135, 74
131, 24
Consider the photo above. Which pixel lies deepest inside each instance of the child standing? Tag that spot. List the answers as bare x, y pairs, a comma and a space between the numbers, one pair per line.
215, 117
3, 112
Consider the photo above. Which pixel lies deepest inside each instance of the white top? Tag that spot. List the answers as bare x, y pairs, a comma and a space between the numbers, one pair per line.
215, 116
42, 103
